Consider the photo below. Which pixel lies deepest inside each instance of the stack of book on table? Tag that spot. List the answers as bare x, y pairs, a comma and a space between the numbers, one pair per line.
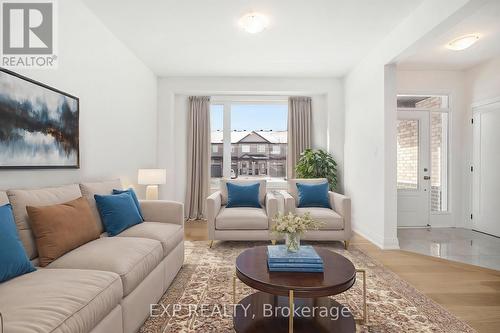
279, 259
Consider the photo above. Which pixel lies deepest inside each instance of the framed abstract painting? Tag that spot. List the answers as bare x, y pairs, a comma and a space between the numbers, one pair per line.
39, 125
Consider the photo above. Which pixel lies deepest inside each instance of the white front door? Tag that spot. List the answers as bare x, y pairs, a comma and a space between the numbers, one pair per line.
413, 174
486, 172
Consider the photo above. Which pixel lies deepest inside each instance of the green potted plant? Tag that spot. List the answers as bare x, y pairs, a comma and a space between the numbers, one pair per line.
317, 164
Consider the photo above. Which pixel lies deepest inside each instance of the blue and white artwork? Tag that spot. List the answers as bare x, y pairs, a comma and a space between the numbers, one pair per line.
39, 125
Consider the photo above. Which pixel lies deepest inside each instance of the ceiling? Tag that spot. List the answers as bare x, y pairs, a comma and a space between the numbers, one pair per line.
435, 56
202, 38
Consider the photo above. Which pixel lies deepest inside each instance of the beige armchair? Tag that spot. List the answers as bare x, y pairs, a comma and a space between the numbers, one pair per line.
337, 220
240, 223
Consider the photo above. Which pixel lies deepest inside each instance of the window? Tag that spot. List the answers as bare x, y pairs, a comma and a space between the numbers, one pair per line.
216, 160
253, 127
422, 102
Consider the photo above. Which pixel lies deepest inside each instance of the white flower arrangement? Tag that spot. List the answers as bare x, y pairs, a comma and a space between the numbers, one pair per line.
294, 224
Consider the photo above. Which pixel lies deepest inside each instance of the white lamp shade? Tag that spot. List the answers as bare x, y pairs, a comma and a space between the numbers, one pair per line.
152, 176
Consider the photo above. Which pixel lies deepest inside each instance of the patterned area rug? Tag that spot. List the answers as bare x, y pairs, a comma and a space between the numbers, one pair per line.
206, 280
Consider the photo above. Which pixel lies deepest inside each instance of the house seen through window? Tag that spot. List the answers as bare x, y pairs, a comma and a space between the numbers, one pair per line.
256, 141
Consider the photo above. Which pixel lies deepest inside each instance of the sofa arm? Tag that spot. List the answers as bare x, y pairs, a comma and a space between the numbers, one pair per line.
162, 211
289, 203
213, 208
342, 205
271, 206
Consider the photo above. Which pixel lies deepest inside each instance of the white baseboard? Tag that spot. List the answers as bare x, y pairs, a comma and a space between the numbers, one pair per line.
391, 244
379, 241
375, 240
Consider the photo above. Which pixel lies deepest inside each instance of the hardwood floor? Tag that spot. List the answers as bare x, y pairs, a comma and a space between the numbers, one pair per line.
470, 292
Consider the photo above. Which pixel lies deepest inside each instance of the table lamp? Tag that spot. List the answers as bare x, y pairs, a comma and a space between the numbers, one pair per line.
152, 178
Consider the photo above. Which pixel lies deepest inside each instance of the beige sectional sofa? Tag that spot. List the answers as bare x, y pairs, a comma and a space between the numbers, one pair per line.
104, 286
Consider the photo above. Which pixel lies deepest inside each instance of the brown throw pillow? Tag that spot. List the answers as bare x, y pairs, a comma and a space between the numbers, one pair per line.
61, 228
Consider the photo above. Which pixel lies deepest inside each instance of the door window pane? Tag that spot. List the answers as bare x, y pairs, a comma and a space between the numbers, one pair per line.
408, 154
439, 162
422, 102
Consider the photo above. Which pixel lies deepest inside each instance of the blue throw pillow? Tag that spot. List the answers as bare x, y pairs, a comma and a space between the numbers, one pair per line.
313, 195
134, 197
13, 258
118, 212
243, 195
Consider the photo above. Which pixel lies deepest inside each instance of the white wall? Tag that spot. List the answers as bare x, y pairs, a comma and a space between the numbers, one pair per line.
370, 142
328, 116
483, 81
450, 83
117, 103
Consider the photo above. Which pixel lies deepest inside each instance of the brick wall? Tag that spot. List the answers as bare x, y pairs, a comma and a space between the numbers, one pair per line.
407, 152
429, 103
436, 198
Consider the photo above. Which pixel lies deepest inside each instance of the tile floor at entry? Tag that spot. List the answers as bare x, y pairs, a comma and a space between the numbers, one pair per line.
457, 244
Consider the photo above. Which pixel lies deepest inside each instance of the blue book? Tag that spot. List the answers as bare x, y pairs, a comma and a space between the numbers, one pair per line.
297, 270
293, 265
279, 253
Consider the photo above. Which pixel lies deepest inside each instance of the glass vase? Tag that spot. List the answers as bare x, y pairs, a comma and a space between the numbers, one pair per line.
292, 241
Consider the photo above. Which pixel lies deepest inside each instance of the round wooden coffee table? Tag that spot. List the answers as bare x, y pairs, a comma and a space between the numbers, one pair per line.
305, 294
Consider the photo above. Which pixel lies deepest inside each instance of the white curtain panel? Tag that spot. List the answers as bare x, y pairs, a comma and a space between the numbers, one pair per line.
198, 162
299, 130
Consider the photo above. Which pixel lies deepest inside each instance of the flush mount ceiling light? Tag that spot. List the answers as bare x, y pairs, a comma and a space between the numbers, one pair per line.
463, 42
254, 22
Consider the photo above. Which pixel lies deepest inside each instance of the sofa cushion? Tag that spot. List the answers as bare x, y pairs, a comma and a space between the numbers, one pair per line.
118, 212
61, 228
55, 300
242, 218
101, 188
13, 259
313, 195
262, 188
134, 197
169, 234
37, 197
243, 195
331, 220
131, 258
292, 186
